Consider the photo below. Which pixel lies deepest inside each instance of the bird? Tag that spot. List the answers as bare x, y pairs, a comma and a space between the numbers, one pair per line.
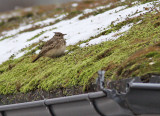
54, 47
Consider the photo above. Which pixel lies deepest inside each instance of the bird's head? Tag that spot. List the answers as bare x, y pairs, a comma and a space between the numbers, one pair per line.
59, 34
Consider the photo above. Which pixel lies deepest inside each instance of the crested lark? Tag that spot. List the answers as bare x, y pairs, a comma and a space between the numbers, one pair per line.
54, 47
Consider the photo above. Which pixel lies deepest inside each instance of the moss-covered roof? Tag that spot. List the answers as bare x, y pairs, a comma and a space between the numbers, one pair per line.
135, 53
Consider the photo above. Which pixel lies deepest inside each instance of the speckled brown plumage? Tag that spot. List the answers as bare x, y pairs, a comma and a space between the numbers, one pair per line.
54, 47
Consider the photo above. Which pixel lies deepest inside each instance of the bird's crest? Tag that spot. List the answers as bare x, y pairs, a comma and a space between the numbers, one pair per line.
59, 34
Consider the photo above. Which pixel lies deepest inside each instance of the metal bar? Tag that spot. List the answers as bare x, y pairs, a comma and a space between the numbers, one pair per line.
100, 80
22, 105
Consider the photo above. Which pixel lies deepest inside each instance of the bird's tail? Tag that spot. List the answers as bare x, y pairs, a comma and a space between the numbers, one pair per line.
36, 59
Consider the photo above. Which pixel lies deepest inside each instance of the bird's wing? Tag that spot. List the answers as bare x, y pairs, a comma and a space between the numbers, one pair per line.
43, 51
46, 48
49, 42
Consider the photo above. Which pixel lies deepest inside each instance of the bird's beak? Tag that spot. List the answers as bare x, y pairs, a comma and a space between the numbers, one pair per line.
64, 34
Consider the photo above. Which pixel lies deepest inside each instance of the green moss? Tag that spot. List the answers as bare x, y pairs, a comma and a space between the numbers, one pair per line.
28, 15
88, 1
2, 23
73, 13
13, 19
152, 54
6, 37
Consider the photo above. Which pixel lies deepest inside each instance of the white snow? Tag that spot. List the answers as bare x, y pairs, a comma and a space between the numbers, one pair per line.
6, 16
86, 11
37, 52
49, 20
122, 0
76, 30
151, 63
40, 23
29, 9
110, 36
74, 4
135, 2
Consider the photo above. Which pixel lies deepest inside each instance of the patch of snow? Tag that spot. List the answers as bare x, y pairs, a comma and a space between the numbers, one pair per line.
139, 22
110, 36
49, 20
135, 2
86, 11
37, 52
74, 4
76, 30
40, 23
132, 12
13, 45
15, 31
122, 0
19, 54
9, 15
66, 51
151, 63
45, 22
29, 9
